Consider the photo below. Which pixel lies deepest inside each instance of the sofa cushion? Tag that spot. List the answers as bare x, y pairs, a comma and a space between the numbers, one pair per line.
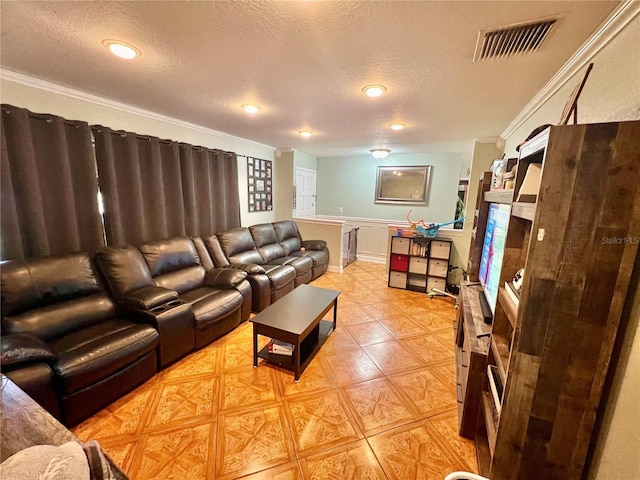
90, 355
280, 275
182, 280
209, 304
170, 255
124, 269
23, 348
318, 257
61, 318
288, 236
302, 265
266, 240
239, 247
36, 283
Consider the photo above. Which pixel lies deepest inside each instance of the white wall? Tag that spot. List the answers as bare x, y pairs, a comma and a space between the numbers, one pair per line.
612, 93
44, 97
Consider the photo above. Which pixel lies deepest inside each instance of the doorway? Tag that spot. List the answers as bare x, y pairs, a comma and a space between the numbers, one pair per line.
305, 206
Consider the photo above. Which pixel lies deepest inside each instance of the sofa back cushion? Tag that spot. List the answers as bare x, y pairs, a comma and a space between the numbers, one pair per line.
52, 296
288, 236
215, 250
124, 269
174, 264
239, 247
265, 238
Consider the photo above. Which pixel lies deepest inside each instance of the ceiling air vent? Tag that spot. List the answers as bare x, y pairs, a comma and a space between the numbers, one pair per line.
517, 39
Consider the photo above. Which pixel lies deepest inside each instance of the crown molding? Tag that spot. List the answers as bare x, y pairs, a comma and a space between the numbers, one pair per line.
123, 107
612, 26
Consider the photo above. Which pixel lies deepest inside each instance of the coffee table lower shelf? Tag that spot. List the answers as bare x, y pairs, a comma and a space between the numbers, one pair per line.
308, 349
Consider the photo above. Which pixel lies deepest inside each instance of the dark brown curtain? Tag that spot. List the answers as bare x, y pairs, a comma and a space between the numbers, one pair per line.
48, 186
210, 186
141, 187
155, 189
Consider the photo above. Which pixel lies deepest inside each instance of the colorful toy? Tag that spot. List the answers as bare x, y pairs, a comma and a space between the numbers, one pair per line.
429, 230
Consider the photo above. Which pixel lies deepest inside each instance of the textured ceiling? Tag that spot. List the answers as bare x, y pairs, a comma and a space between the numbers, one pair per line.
303, 62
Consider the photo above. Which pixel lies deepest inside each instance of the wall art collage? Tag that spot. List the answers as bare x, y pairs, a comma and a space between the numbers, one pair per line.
260, 184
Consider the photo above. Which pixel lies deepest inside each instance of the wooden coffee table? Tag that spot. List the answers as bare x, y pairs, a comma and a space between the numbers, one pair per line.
297, 319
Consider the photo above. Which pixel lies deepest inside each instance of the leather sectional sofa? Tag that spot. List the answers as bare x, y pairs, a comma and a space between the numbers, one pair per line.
79, 332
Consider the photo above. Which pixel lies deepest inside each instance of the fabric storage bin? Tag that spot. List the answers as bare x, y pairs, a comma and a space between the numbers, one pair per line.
438, 268
435, 282
400, 245
440, 249
398, 279
418, 265
417, 281
400, 262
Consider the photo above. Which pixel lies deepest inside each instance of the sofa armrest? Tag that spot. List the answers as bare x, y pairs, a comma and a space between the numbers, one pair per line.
314, 244
146, 298
250, 268
224, 277
22, 349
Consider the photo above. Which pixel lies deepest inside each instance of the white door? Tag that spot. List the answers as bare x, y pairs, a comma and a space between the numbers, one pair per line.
305, 193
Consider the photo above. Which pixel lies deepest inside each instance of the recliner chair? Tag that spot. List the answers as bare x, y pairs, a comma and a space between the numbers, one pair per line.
63, 339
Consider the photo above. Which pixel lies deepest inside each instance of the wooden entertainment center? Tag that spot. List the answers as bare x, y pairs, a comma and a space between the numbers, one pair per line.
531, 384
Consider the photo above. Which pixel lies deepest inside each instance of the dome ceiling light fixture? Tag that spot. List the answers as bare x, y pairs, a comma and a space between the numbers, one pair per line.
249, 108
374, 90
397, 126
380, 153
121, 49
305, 133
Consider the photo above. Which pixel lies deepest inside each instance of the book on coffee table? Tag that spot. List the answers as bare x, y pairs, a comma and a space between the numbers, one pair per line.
280, 348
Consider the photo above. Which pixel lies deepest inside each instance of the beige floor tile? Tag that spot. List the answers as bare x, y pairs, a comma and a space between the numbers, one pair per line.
288, 471
446, 425
376, 405
425, 391
125, 417
184, 452
248, 387
350, 366
319, 422
178, 402
412, 452
314, 379
428, 348
369, 332
402, 326
252, 440
354, 461
392, 357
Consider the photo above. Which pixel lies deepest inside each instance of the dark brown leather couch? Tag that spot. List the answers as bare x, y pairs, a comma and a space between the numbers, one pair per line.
236, 249
272, 254
166, 283
64, 340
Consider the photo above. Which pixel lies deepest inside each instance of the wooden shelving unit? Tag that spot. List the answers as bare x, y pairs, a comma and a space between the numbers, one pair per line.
550, 352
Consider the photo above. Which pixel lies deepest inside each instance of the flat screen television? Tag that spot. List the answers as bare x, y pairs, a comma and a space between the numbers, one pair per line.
491, 259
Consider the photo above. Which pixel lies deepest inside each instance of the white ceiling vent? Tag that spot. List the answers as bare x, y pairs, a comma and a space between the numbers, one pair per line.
516, 39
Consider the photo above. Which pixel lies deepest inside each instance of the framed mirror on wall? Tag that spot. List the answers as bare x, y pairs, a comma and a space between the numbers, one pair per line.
404, 185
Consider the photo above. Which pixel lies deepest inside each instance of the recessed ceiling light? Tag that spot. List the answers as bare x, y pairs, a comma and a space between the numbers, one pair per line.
380, 152
374, 90
250, 108
121, 49
397, 126
305, 133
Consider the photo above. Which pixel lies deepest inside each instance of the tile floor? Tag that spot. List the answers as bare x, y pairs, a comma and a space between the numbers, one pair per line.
377, 402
